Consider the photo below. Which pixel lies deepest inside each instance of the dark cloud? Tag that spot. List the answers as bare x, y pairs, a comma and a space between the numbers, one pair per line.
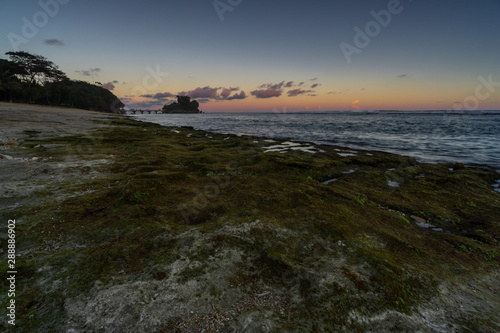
267, 93
301, 84
202, 95
315, 85
89, 72
241, 95
274, 86
159, 96
289, 84
109, 86
53, 41
164, 95
402, 75
205, 92
226, 92
296, 92
115, 82
332, 93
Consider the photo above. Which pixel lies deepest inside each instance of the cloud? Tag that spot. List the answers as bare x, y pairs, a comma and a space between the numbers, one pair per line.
289, 84
109, 86
402, 75
241, 95
164, 95
314, 79
267, 93
297, 92
159, 96
274, 86
332, 93
89, 72
205, 92
115, 82
202, 95
226, 92
301, 84
315, 85
54, 41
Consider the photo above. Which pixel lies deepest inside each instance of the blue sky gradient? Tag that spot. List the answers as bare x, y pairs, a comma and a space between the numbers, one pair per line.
429, 56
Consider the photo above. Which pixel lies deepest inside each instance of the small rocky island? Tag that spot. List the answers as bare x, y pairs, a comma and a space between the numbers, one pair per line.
183, 105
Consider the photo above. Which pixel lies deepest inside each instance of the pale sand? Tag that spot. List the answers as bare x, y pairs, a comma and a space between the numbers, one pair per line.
24, 172
16, 118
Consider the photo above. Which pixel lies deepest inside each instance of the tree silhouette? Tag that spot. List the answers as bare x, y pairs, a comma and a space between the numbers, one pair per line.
184, 104
36, 68
32, 78
183, 101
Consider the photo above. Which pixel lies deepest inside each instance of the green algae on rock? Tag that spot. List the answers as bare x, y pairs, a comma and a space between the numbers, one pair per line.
183, 230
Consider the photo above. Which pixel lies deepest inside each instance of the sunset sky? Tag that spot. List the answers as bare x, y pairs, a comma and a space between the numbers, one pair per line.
253, 55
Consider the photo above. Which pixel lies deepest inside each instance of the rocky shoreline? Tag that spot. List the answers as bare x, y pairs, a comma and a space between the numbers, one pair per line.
125, 226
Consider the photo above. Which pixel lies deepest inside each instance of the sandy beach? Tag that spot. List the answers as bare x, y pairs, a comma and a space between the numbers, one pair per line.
23, 171
20, 118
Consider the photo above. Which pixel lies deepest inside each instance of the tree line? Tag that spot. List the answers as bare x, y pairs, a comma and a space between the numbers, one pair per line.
184, 104
31, 78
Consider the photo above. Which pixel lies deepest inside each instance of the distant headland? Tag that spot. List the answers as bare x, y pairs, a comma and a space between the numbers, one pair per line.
184, 105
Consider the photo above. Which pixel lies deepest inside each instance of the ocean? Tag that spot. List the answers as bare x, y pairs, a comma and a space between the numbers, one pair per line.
472, 138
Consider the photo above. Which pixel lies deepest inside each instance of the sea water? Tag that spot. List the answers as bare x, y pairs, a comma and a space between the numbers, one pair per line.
472, 138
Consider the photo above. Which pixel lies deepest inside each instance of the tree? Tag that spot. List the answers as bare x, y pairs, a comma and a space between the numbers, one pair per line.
36, 68
34, 79
183, 101
10, 86
183, 105
195, 105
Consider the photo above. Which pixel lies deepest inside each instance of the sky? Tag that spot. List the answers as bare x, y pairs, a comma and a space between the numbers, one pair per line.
255, 55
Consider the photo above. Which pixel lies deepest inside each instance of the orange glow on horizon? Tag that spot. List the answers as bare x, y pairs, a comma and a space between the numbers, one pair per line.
418, 96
